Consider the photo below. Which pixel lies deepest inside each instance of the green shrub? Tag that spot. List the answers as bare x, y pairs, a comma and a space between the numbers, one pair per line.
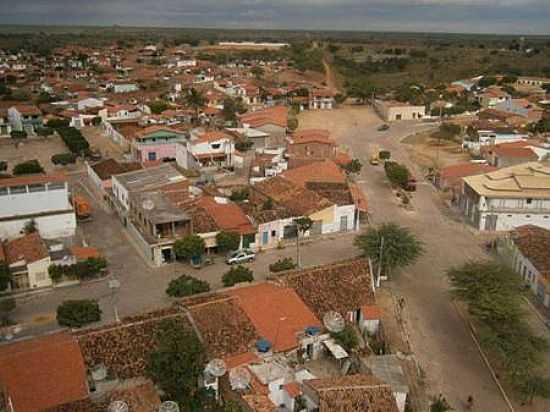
18, 134
86, 269
74, 140
237, 274
282, 265
347, 338
238, 195
398, 174
186, 286
29, 167
189, 247
384, 155
58, 123
77, 313
64, 158
44, 131
228, 241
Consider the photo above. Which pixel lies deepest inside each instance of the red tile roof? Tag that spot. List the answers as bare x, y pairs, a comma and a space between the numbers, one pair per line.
277, 115
534, 243
228, 216
325, 171
515, 152
277, 312
212, 136
83, 253
109, 167
29, 248
312, 135
43, 372
31, 179
28, 109
293, 389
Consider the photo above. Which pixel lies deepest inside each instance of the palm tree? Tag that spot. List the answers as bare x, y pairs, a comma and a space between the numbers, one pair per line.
195, 100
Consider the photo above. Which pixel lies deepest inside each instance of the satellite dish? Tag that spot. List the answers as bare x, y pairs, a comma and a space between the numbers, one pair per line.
169, 406
334, 322
118, 406
216, 367
99, 372
239, 378
148, 204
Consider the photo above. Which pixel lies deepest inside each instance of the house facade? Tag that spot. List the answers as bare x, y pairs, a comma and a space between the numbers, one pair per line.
209, 149
392, 111
38, 198
508, 198
25, 118
156, 143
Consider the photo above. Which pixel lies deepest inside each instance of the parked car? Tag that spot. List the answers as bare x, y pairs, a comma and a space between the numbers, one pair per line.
383, 127
240, 256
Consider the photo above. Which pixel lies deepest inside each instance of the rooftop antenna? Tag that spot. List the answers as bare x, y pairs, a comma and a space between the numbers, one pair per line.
99, 372
334, 322
169, 406
239, 378
148, 204
216, 367
118, 406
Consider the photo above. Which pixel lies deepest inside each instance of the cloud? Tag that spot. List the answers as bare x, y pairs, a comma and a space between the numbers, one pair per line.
503, 16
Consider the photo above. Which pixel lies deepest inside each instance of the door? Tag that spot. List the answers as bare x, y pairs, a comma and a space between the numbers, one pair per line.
343, 223
265, 238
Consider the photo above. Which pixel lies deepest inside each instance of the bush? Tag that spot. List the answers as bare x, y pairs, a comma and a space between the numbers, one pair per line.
58, 123
347, 338
64, 158
189, 247
292, 123
29, 167
44, 131
228, 241
18, 134
384, 155
77, 313
282, 264
237, 195
244, 146
74, 140
86, 269
237, 274
186, 286
398, 174
158, 106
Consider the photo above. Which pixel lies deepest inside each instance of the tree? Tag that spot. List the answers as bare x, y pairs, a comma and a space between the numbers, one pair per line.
230, 109
186, 286
293, 123
228, 241
189, 247
177, 362
398, 174
487, 81
361, 89
28, 167
390, 246
347, 338
440, 404
195, 100
237, 274
353, 167
77, 313
158, 106
30, 227
5, 276
258, 72
303, 224
6, 307
448, 131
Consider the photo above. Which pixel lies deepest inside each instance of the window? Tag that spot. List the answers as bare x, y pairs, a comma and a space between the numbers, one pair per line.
37, 188
273, 233
15, 190
3, 191
152, 156
529, 201
215, 146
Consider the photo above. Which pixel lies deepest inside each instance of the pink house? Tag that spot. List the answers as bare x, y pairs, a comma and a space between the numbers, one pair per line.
156, 143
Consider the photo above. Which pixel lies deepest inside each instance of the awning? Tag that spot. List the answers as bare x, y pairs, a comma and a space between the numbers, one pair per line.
337, 351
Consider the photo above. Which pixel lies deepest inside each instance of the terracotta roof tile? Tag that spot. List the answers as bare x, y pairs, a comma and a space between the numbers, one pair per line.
325, 171
277, 313
312, 135
227, 215
43, 372
259, 403
341, 287
29, 248
31, 179
109, 167
534, 243
83, 253
277, 115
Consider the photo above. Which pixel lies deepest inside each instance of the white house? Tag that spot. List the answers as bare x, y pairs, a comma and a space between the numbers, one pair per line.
125, 87
214, 148
508, 198
44, 199
392, 111
89, 103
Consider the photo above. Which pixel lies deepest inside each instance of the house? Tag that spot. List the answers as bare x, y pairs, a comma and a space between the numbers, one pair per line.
388, 369
258, 138
28, 260
391, 111
489, 135
119, 112
308, 146
5, 127
510, 154
101, 173
344, 287
531, 84
124, 87
25, 117
531, 260
493, 96
42, 198
349, 393
53, 373
156, 143
277, 313
273, 121
89, 103
321, 99
450, 177
208, 149
508, 198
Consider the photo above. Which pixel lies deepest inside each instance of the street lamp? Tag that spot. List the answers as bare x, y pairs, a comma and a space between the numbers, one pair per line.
114, 285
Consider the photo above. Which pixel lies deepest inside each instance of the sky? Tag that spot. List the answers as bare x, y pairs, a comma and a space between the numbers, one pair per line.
460, 16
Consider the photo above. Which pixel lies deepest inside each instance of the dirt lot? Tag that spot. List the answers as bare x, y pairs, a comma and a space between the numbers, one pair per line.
98, 141
41, 149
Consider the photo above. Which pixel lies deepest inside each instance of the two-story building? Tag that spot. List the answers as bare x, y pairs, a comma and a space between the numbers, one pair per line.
156, 143
507, 198
308, 146
25, 117
39, 198
321, 99
208, 149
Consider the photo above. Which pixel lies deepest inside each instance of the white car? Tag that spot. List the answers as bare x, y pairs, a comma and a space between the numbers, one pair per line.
240, 256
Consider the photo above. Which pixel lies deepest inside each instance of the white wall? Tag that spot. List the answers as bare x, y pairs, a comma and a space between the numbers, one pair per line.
121, 194
347, 210
38, 273
36, 202
49, 227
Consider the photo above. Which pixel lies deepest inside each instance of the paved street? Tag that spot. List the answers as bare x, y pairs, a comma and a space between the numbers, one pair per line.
440, 340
